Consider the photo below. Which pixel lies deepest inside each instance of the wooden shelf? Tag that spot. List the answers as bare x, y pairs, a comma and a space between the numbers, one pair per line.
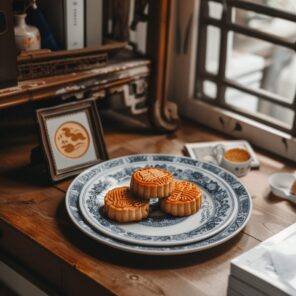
83, 83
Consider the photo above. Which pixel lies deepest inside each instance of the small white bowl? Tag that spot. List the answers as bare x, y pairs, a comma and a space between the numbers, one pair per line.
281, 184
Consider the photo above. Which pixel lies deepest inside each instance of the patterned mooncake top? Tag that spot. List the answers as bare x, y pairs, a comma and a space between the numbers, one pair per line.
121, 197
184, 192
152, 177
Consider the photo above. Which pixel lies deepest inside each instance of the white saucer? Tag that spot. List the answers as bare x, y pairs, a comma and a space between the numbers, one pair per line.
281, 184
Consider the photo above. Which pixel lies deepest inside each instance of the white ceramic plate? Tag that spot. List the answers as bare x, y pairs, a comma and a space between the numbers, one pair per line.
219, 205
238, 222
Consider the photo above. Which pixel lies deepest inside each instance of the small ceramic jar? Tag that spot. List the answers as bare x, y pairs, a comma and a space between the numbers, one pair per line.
26, 37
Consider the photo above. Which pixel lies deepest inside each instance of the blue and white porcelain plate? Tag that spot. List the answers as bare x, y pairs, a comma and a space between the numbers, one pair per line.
238, 221
219, 204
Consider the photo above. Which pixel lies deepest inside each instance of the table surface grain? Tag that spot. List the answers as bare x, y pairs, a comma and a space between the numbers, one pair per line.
37, 234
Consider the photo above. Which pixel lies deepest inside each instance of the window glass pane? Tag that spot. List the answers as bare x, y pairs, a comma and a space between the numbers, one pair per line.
262, 65
215, 10
252, 104
241, 100
212, 49
285, 5
272, 25
210, 89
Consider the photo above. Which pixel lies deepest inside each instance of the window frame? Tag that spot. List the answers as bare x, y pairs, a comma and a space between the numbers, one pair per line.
182, 89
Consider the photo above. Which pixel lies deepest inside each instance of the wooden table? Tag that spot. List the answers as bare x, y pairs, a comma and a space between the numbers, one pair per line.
38, 238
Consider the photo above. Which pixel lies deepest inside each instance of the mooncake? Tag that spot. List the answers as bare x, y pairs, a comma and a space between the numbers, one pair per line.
185, 200
122, 206
152, 183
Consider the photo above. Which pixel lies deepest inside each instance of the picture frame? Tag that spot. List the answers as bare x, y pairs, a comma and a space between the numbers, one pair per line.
72, 138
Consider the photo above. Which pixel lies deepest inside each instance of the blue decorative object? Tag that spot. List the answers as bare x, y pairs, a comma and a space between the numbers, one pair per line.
38, 19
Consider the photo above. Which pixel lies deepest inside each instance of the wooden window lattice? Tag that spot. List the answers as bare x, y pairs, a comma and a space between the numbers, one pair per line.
226, 25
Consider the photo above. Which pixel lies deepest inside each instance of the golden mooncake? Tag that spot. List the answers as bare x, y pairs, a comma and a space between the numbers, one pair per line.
122, 206
185, 200
151, 183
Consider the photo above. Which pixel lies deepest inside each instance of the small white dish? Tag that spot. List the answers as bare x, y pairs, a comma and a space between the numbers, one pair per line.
281, 184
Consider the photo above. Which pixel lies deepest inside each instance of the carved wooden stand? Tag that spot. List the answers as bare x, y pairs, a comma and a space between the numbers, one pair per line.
163, 113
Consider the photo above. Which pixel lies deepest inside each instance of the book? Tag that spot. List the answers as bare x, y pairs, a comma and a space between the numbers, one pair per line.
74, 28
66, 18
239, 286
232, 292
262, 267
93, 23
203, 151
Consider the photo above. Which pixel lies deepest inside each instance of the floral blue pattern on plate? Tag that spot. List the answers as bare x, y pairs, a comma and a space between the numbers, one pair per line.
238, 222
219, 205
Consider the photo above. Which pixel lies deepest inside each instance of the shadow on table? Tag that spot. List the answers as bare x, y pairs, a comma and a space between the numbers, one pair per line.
273, 199
117, 257
27, 176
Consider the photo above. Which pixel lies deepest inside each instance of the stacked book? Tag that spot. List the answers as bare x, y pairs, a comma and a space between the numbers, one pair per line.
75, 23
267, 269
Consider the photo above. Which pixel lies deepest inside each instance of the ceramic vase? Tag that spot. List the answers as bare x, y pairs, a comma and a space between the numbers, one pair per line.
26, 37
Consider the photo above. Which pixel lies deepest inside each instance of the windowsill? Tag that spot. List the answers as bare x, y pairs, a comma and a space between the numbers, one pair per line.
240, 127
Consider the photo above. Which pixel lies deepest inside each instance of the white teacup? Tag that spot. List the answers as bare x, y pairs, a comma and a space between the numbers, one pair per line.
235, 160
